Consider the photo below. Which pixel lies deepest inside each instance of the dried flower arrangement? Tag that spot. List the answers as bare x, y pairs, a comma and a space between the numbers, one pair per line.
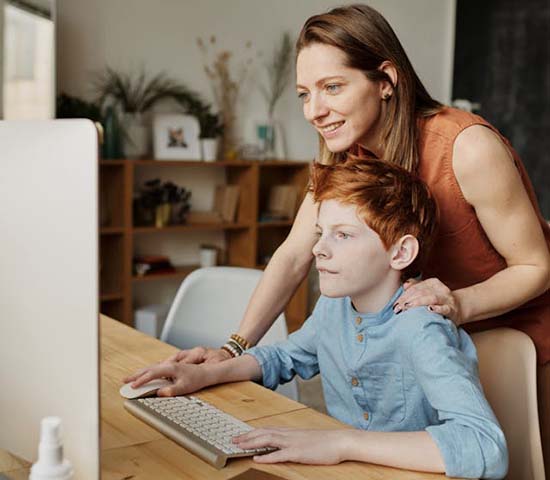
225, 88
278, 73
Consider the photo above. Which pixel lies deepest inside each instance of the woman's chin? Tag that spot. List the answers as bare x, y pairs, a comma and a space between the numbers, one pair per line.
337, 145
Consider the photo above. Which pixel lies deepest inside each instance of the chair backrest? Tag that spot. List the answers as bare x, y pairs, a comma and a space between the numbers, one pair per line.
508, 373
210, 304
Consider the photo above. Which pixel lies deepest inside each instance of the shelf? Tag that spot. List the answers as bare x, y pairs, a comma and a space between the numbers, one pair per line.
112, 163
109, 297
111, 230
191, 163
192, 227
247, 241
181, 272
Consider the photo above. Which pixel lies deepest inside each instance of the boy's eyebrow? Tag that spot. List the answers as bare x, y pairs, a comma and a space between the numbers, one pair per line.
323, 80
338, 225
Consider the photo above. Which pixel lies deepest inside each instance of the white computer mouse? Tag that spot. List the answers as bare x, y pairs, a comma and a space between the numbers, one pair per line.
145, 390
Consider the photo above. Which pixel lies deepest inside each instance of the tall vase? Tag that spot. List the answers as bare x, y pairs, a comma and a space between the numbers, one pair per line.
272, 141
112, 144
229, 140
137, 138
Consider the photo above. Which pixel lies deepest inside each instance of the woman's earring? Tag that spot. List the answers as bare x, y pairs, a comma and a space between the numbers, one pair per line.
386, 96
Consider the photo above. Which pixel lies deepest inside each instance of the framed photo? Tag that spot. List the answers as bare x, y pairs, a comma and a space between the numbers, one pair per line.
176, 137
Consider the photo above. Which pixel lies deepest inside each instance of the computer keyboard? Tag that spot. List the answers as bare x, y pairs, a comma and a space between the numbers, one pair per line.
196, 425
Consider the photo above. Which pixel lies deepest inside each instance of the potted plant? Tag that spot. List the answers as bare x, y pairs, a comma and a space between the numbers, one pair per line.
161, 204
134, 95
211, 130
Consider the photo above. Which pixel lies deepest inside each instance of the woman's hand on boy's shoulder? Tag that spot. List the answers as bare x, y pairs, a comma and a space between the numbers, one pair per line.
431, 293
313, 447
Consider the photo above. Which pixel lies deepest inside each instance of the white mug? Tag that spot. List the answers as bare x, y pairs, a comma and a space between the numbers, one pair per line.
208, 257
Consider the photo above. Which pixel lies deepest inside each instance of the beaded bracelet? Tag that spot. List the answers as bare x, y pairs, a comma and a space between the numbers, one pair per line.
229, 349
236, 346
243, 342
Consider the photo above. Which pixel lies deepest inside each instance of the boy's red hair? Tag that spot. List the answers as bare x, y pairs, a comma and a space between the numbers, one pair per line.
389, 199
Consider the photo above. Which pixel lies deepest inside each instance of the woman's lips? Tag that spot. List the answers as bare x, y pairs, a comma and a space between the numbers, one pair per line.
331, 130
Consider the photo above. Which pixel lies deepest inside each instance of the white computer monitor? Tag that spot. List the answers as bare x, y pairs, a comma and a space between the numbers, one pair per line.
49, 360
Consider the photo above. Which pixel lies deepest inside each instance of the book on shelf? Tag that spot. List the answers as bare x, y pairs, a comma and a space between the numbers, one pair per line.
226, 200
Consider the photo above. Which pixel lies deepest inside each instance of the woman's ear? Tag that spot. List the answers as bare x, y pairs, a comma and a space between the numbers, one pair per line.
404, 252
386, 88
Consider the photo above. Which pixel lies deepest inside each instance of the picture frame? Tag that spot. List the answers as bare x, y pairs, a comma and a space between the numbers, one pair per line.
176, 137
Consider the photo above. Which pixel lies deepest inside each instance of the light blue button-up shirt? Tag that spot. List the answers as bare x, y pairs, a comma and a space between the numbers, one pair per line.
409, 372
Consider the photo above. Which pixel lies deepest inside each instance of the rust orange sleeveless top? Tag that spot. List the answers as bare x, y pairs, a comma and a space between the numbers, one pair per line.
462, 254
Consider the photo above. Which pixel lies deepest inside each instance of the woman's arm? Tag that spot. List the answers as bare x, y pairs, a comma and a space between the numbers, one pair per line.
284, 273
491, 183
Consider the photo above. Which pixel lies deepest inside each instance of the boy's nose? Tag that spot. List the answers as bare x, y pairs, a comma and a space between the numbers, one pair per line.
320, 250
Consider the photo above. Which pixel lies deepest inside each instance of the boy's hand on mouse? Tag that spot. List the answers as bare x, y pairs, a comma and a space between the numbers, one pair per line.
314, 447
431, 293
186, 378
196, 355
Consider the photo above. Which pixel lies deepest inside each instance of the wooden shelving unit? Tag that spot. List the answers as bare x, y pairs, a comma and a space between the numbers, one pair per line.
249, 242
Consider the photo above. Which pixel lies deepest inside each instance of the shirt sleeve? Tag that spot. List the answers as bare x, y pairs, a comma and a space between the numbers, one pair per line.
280, 362
469, 437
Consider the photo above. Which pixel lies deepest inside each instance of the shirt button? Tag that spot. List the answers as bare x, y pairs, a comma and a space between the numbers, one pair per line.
360, 337
366, 415
354, 381
358, 320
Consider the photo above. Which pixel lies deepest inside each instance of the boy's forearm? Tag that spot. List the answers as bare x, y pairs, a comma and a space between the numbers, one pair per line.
407, 450
245, 367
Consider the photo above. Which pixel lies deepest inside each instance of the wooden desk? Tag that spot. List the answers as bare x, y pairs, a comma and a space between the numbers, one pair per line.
130, 449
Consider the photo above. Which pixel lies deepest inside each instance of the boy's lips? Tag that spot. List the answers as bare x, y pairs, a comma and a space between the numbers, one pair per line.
324, 270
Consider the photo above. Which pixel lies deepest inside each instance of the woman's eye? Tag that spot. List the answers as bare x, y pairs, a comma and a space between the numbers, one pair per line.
342, 235
302, 95
318, 234
333, 88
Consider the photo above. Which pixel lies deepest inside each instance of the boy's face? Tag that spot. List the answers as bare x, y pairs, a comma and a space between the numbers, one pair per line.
350, 257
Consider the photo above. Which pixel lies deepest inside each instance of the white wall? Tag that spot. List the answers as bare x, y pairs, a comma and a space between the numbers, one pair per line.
161, 35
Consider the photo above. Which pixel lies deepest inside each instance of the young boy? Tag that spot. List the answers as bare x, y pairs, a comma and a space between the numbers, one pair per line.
407, 381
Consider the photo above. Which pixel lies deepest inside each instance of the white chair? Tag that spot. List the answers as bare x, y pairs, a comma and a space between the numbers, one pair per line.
209, 306
508, 373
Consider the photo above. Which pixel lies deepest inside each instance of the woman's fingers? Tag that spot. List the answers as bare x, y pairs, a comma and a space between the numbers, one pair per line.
410, 282
193, 355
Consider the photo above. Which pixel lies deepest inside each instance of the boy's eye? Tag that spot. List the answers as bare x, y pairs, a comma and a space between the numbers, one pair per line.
318, 233
333, 88
342, 235
302, 95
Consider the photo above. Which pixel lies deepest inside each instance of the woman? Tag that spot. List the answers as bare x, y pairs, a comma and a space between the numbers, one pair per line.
491, 259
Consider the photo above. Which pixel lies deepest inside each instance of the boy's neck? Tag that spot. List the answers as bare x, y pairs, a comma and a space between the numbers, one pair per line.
375, 298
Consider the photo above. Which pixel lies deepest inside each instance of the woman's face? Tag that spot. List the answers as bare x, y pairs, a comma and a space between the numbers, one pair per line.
343, 105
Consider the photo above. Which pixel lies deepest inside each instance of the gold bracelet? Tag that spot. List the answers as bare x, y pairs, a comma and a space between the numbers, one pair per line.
243, 342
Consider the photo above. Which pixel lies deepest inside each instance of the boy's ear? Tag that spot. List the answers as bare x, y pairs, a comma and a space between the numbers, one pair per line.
404, 252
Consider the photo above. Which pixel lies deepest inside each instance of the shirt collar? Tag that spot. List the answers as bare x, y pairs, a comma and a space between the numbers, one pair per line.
377, 318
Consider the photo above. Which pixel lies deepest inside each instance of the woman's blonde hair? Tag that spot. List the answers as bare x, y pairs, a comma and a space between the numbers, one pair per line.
367, 40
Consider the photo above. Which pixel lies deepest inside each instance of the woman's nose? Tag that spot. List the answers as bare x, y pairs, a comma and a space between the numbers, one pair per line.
315, 109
